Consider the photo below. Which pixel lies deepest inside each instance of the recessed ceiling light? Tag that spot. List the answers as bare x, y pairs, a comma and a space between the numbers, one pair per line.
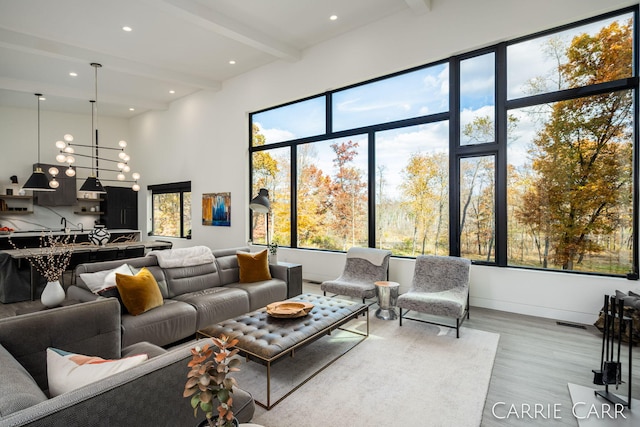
232, 62
172, 91
72, 74
132, 109
333, 17
127, 29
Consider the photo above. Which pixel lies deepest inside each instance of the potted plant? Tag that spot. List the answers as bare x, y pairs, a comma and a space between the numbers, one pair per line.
207, 379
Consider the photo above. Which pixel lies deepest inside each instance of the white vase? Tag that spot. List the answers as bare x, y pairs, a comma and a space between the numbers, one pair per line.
273, 258
53, 294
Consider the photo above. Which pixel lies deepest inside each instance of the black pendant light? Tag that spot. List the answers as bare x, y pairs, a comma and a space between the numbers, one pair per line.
38, 180
92, 183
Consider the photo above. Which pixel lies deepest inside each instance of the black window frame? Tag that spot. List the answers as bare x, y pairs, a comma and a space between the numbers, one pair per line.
498, 148
174, 187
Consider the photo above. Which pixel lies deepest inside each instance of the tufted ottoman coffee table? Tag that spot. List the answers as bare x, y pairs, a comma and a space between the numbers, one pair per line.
266, 339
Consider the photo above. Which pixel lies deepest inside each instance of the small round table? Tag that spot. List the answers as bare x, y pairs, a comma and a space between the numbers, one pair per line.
387, 298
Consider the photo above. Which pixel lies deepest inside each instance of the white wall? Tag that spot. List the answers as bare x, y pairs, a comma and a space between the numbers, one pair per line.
204, 137
19, 142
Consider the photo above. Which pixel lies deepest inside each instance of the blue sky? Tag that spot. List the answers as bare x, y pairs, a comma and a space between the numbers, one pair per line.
421, 92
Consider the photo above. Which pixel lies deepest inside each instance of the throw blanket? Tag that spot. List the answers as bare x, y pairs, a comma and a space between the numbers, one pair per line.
374, 256
183, 257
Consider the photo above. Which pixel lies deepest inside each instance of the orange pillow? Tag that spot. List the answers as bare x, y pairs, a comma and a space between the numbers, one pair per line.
254, 267
139, 293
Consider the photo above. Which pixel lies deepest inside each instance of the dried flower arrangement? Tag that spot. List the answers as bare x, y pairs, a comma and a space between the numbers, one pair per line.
52, 257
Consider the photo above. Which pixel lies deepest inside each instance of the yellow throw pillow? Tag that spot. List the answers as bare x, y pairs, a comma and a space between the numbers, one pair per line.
253, 267
139, 293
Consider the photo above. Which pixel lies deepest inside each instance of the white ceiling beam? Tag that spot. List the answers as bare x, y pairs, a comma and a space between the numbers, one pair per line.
29, 86
50, 48
419, 6
210, 20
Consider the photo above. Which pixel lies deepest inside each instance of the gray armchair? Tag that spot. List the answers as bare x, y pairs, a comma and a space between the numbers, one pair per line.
440, 288
363, 267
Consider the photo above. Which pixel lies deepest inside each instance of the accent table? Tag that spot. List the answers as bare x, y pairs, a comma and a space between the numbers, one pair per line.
387, 293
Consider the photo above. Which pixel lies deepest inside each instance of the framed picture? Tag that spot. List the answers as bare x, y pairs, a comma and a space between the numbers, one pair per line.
216, 209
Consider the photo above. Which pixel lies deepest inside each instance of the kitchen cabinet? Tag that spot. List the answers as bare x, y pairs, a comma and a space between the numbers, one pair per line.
120, 208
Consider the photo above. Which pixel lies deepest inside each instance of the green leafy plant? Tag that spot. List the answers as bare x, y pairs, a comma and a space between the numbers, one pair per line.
208, 379
273, 248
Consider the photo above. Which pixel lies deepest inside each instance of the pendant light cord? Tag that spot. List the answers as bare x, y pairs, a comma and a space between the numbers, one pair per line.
95, 66
38, 95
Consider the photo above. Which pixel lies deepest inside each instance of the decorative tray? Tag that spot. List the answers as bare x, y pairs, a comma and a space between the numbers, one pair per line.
289, 309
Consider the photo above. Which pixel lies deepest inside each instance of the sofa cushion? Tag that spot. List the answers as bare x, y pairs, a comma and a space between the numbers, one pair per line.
171, 322
214, 305
105, 279
263, 293
254, 267
17, 388
182, 280
139, 293
69, 371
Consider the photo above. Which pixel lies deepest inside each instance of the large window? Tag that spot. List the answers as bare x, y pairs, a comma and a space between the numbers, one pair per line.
171, 208
520, 154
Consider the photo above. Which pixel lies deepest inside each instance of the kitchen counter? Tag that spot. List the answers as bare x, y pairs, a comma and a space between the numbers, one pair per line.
74, 231
31, 238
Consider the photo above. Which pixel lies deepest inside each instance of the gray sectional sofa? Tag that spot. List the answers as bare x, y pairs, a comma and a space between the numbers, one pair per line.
194, 296
149, 394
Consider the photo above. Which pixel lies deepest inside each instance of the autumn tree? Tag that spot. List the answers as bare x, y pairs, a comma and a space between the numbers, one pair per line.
477, 189
349, 191
314, 198
583, 153
425, 191
265, 172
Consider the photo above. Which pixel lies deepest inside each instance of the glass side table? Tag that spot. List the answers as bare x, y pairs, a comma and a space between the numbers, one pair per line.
387, 293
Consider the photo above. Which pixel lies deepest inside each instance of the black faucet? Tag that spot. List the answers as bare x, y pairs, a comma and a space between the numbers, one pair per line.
81, 225
63, 220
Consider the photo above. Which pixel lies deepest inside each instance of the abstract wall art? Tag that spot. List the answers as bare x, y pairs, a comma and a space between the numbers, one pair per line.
216, 209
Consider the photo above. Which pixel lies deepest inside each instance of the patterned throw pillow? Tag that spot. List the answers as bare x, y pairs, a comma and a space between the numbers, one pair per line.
105, 279
68, 371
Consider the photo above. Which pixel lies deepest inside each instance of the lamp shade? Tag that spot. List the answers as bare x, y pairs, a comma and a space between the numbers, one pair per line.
93, 185
261, 203
37, 181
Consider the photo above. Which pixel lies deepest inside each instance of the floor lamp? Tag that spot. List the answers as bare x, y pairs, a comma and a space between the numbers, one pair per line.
261, 204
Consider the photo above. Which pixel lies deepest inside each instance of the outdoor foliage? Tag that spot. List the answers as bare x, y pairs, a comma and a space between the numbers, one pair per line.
574, 197
569, 174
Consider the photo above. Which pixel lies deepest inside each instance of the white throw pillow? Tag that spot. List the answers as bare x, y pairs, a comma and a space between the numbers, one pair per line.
104, 279
68, 371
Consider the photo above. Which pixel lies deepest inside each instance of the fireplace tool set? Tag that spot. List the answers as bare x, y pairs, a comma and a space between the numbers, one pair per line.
610, 372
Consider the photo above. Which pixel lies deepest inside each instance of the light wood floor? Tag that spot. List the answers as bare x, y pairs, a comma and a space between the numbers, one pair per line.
536, 359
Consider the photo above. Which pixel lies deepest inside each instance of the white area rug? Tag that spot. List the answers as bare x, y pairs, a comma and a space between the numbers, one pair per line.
414, 375
594, 411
